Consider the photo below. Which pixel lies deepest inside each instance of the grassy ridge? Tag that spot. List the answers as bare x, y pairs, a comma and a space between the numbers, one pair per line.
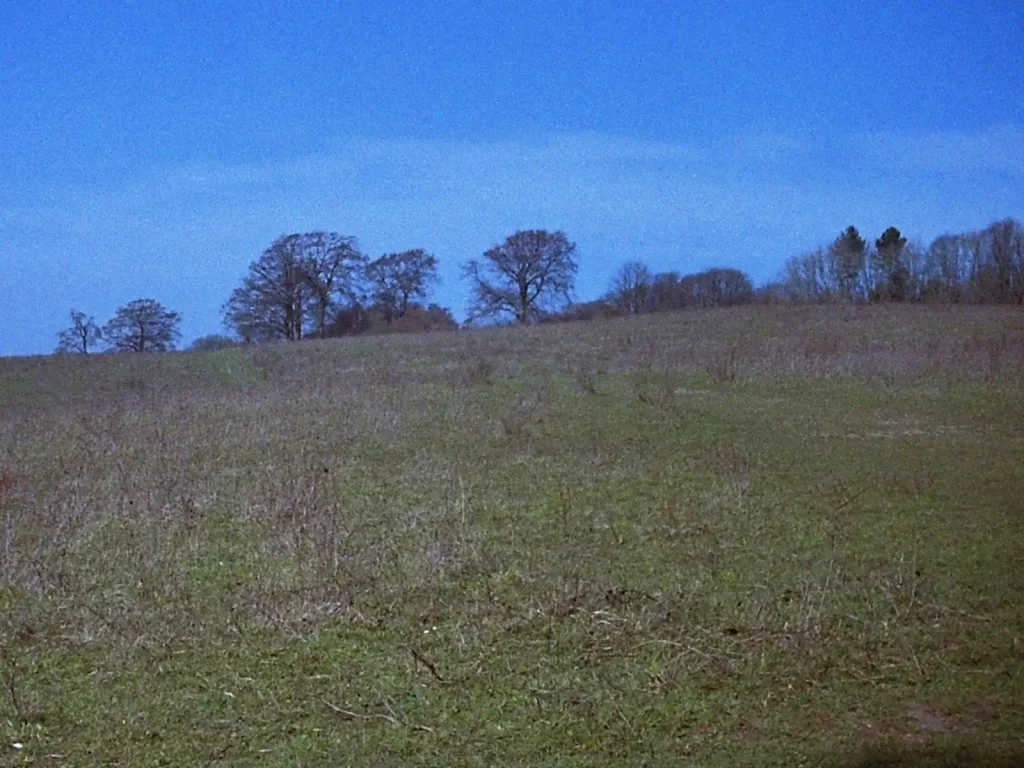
756, 537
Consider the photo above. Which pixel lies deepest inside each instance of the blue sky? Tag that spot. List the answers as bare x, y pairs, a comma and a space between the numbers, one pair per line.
154, 149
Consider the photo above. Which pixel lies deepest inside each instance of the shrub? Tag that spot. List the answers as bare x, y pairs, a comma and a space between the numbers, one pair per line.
212, 343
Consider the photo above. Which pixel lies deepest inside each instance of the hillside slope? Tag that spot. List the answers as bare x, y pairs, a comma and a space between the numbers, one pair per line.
762, 536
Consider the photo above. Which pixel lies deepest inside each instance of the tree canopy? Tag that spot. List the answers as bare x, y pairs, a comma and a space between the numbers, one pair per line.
530, 274
143, 325
398, 279
320, 284
294, 284
847, 258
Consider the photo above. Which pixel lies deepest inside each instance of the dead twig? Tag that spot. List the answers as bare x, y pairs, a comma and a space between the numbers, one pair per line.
12, 688
392, 717
417, 656
358, 716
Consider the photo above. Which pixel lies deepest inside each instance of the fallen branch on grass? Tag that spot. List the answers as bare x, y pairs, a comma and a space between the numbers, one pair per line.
427, 663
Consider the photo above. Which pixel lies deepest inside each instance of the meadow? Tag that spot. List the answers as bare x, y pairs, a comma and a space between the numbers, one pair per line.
756, 536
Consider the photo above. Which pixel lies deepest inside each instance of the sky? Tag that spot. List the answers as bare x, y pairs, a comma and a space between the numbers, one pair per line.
153, 149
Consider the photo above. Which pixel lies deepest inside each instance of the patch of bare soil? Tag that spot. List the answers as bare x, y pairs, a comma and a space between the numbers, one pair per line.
925, 721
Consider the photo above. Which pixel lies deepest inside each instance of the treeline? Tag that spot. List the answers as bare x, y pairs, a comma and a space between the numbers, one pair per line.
982, 267
635, 290
320, 285
985, 266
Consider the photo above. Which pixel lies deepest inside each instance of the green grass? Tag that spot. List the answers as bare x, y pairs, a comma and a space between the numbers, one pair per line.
756, 537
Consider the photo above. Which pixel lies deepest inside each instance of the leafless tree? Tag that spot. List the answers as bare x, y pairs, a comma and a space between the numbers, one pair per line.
298, 279
212, 343
400, 278
272, 301
666, 295
805, 277
717, 287
530, 274
968, 267
331, 263
631, 288
1003, 279
143, 325
80, 337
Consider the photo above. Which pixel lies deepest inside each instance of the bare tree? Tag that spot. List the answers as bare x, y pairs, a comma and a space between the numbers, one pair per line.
82, 335
331, 263
631, 288
666, 292
805, 277
298, 279
942, 273
530, 274
976, 267
399, 278
273, 299
143, 326
1004, 261
718, 287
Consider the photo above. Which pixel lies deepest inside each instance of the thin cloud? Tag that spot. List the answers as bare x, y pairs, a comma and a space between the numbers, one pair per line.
588, 179
999, 149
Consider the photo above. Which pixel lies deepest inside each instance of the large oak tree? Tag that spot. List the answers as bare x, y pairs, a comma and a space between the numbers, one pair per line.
529, 275
331, 264
143, 325
295, 283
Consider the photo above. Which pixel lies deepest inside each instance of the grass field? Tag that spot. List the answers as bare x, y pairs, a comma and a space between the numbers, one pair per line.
756, 537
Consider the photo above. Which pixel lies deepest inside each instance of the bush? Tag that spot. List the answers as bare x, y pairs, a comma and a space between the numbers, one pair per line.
212, 343
591, 310
356, 320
